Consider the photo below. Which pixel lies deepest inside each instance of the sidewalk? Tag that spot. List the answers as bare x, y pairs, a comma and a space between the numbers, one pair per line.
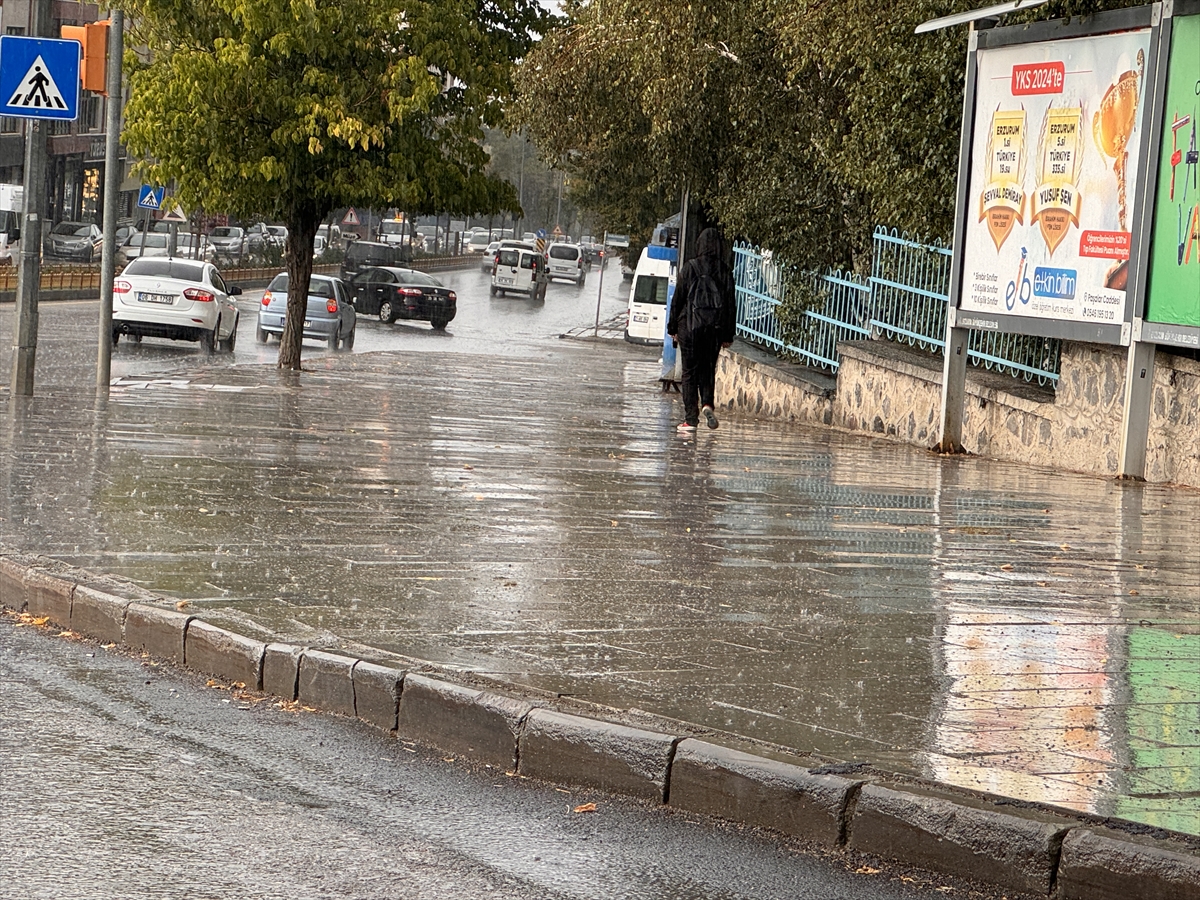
1018, 631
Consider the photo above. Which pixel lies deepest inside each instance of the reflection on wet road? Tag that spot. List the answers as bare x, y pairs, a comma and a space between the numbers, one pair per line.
1021, 631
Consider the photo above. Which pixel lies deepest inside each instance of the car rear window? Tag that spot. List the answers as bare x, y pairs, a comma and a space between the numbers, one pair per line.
510, 257
167, 268
153, 239
558, 251
317, 287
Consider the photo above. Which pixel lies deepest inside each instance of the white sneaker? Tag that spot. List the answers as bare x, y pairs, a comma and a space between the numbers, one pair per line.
710, 417
685, 428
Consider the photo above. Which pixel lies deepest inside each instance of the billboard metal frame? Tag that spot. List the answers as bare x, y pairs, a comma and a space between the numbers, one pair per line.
1111, 22
1161, 333
1131, 331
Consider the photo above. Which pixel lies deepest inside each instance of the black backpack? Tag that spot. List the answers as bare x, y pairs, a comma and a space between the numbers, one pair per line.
705, 303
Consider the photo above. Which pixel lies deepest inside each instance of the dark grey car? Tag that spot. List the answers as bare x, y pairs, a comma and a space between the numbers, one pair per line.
79, 241
330, 317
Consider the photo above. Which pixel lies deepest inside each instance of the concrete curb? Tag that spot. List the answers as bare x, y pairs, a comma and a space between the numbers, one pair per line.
12, 583
97, 613
1098, 865
574, 750
464, 721
971, 841
716, 781
215, 651
377, 694
159, 632
281, 670
327, 682
49, 595
1017, 845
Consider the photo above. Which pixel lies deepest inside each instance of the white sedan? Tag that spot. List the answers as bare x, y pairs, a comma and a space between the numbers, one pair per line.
178, 299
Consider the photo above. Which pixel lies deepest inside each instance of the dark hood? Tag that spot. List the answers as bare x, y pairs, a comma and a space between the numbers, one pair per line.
709, 243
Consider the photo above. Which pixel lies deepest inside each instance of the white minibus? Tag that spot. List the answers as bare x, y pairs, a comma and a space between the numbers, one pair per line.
654, 274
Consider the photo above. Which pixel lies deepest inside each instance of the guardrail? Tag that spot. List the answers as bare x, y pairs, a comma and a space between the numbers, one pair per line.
904, 299
86, 276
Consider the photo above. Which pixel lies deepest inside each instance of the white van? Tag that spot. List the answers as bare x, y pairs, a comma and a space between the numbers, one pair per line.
566, 261
519, 271
394, 231
479, 242
332, 235
653, 277
10, 237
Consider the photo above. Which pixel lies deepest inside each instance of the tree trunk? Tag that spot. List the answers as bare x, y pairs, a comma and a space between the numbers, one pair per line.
302, 228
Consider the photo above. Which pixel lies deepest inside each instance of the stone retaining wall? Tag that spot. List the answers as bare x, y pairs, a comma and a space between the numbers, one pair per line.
895, 391
1017, 846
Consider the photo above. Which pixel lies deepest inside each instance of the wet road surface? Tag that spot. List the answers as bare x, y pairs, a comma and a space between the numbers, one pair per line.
120, 780
530, 513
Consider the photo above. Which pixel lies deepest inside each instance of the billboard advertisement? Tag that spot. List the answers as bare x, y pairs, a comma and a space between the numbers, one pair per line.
1173, 288
1054, 157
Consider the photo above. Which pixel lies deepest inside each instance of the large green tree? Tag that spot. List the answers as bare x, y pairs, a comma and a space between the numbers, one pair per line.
798, 125
288, 109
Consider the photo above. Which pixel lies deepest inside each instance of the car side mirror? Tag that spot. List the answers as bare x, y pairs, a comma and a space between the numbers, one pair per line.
234, 290
15, 234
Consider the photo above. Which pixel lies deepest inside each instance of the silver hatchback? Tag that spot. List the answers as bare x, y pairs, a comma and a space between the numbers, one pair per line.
329, 317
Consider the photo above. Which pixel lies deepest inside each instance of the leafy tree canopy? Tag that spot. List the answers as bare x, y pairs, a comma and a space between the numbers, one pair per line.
799, 125
287, 109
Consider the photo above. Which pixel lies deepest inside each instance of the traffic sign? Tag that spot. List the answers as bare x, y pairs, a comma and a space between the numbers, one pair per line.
175, 214
351, 217
617, 240
39, 78
541, 233
558, 232
150, 197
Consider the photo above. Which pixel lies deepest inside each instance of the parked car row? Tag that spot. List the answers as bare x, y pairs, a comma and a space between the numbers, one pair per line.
188, 300
81, 241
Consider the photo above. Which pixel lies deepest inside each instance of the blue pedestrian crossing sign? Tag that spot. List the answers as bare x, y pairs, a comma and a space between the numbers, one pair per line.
150, 197
39, 77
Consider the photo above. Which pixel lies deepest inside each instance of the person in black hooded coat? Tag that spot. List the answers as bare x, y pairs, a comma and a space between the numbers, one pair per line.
700, 345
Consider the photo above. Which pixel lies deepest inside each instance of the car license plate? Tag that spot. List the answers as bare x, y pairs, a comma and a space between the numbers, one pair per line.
155, 298
504, 280
641, 317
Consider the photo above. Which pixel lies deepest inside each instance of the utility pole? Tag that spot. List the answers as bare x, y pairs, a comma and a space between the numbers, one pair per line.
558, 209
29, 271
521, 183
112, 187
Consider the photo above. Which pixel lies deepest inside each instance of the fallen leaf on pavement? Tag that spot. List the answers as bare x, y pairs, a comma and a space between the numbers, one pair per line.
586, 807
1007, 567
866, 870
182, 604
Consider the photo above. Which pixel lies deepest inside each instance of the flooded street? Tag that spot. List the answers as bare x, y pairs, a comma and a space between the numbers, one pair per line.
501, 500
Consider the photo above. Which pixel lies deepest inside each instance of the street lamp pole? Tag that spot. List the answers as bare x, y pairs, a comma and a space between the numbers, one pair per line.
112, 188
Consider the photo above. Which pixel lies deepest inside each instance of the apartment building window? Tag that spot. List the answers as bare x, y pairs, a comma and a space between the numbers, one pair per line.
91, 116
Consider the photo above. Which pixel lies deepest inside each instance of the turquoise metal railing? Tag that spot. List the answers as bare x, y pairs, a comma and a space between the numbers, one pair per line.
904, 299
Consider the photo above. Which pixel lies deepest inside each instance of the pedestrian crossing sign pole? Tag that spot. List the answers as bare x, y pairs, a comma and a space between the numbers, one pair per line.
39, 78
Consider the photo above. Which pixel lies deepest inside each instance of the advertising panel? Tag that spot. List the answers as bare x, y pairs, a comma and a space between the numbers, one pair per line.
1054, 162
1173, 291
